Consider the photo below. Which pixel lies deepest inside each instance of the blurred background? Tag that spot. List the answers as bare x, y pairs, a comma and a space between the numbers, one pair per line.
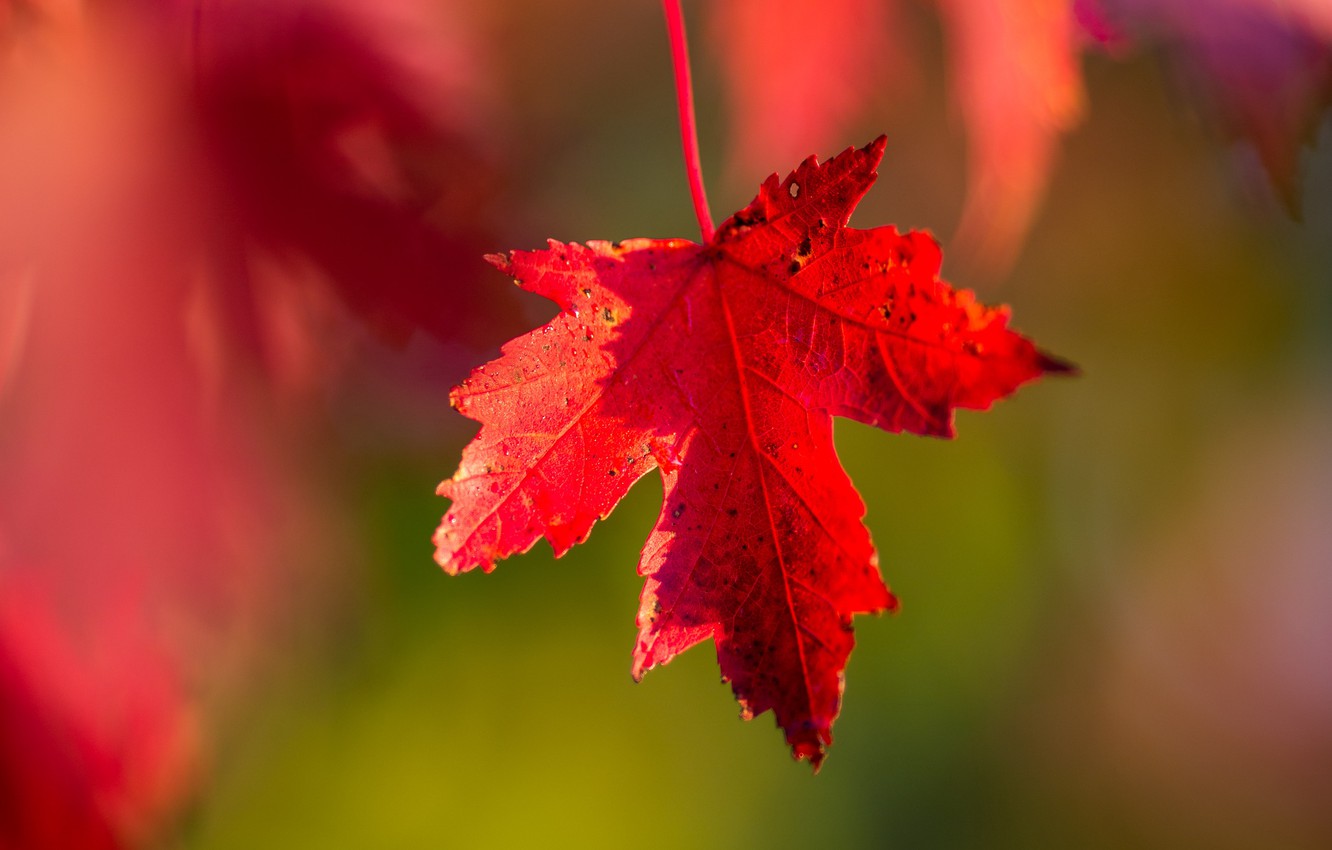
240, 269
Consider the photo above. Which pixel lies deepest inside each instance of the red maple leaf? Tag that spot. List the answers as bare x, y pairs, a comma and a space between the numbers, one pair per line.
722, 365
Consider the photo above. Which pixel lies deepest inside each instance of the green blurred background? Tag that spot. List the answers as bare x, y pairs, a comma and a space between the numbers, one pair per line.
1115, 626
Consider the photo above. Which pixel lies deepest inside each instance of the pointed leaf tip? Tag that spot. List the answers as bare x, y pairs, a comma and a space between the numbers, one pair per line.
1051, 364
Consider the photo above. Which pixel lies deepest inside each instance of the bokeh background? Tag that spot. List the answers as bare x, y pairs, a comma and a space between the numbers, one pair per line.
1116, 589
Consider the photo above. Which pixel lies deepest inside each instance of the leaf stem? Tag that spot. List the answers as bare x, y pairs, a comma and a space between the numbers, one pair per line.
684, 100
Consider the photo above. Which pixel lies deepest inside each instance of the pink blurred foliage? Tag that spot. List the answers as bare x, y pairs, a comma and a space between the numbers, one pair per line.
1018, 84
795, 73
198, 201
1261, 68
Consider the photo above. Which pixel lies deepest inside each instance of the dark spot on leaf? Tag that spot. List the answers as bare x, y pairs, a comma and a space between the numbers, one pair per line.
612, 473
806, 248
607, 316
794, 267
679, 509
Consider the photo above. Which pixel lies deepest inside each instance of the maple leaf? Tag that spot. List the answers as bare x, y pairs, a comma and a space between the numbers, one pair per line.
1016, 85
722, 365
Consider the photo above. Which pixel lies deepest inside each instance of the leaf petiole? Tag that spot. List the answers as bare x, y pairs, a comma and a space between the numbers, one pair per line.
684, 99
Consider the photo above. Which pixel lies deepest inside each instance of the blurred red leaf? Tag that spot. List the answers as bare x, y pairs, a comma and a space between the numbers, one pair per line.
98, 739
797, 72
347, 135
196, 201
723, 365
1019, 87
143, 511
